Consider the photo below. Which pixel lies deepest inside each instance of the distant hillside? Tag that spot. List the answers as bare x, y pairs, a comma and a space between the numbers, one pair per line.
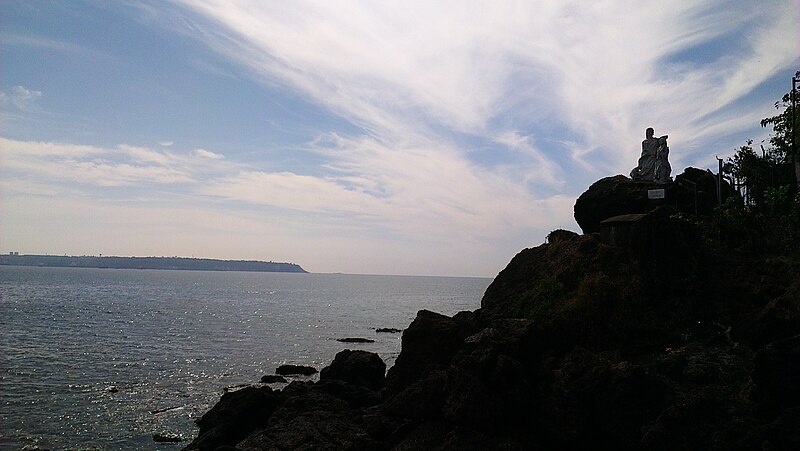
196, 264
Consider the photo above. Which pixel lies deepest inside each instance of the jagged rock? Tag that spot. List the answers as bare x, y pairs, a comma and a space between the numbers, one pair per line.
431, 340
272, 378
289, 370
356, 396
234, 417
310, 418
657, 342
361, 368
421, 398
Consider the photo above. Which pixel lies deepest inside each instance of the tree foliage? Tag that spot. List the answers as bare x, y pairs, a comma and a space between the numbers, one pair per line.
770, 221
785, 132
769, 178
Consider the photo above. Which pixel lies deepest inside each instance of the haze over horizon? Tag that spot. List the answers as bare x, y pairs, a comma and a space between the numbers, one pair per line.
420, 138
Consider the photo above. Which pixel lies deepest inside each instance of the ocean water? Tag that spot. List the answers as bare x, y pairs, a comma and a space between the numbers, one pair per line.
103, 358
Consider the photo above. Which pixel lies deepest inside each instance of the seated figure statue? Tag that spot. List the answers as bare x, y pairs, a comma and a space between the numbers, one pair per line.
653, 163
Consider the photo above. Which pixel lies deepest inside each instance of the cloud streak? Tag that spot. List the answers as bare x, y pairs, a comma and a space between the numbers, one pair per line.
604, 70
471, 126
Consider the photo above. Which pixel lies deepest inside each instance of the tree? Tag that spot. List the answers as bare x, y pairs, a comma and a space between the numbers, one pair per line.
786, 134
770, 179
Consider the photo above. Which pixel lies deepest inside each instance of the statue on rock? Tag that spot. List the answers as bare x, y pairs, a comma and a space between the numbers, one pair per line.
654, 163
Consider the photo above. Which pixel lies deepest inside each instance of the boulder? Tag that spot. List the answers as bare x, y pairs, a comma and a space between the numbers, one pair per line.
430, 340
693, 192
613, 196
361, 368
234, 417
310, 418
288, 370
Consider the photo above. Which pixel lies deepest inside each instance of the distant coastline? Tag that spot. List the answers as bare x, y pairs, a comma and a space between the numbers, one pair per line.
174, 263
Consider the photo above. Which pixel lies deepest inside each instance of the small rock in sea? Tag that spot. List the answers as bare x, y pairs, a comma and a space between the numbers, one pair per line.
167, 438
388, 330
112, 389
355, 340
167, 409
272, 378
234, 387
286, 370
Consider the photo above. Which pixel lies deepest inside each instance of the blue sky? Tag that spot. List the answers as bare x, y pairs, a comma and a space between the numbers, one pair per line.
434, 138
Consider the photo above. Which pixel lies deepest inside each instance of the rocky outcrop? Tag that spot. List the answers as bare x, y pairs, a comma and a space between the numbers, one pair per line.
323, 415
693, 192
235, 416
361, 368
662, 341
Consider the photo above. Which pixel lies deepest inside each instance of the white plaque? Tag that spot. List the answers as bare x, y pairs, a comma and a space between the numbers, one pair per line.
655, 194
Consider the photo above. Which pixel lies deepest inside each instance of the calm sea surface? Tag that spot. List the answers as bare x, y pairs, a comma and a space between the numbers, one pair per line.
103, 358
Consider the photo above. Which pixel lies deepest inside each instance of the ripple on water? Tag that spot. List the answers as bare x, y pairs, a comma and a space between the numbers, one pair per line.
106, 358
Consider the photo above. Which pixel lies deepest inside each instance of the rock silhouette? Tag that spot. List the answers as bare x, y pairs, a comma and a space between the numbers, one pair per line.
665, 342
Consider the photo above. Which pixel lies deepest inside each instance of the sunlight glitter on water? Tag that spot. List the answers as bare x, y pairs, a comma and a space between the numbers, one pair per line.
87, 355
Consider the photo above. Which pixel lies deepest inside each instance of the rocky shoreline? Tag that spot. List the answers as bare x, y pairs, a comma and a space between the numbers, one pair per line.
660, 341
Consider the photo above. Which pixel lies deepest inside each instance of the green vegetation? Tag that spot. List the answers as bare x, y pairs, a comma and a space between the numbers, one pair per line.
767, 218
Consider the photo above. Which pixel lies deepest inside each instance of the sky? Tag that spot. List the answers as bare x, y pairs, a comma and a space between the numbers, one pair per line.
370, 137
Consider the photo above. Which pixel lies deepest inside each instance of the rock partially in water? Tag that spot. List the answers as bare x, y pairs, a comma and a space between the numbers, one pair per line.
322, 415
355, 340
310, 417
272, 378
291, 370
234, 417
388, 330
167, 438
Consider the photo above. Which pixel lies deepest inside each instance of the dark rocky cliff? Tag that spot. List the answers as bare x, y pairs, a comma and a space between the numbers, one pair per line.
662, 341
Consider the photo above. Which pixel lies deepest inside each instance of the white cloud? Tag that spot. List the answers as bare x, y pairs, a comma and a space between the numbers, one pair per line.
24, 99
202, 153
57, 163
561, 89
603, 70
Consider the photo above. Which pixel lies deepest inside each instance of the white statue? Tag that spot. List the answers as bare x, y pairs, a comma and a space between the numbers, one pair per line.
653, 163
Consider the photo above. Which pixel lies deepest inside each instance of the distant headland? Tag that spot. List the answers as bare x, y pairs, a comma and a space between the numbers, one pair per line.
175, 263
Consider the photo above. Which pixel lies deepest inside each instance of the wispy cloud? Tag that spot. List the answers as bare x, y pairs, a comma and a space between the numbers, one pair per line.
603, 71
41, 42
23, 99
470, 125
424, 193
202, 153
57, 163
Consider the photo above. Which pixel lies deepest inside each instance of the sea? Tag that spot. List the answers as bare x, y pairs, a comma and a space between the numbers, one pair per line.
102, 359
